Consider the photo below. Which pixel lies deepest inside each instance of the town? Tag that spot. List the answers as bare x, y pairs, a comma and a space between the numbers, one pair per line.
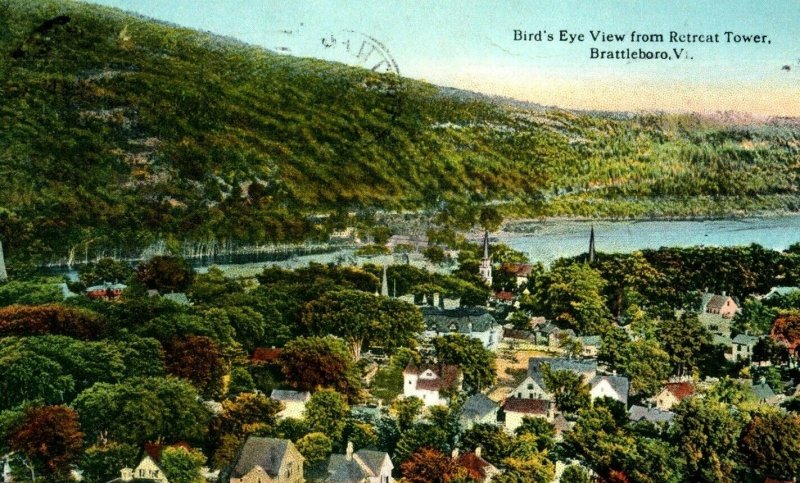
658, 365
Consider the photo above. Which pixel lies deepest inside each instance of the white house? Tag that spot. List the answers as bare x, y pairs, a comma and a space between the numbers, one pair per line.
146, 470
615, 387
672, 394
429, 381
742, 347
473, 322
533, 387
478, 409
294, 402
516, 409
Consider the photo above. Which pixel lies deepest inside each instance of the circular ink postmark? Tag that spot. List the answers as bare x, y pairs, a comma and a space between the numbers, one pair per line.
381, 83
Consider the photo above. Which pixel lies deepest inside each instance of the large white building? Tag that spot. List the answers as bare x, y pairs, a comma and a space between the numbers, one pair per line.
430, 382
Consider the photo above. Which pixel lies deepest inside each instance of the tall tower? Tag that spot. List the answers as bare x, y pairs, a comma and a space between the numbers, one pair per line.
592, 253
3, 273
485, 269
384, 284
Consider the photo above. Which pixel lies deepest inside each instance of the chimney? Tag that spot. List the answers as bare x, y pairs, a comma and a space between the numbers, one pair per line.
724, 293
126, 474
349, 455
478, 451
454, 454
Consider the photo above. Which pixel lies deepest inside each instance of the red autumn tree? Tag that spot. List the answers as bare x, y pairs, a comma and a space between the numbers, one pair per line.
196, 359
49, 436
26, 320
165, 274
787, 330
428, 465
312, 362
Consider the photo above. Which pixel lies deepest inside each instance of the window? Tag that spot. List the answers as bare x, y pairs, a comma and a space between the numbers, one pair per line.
530, 386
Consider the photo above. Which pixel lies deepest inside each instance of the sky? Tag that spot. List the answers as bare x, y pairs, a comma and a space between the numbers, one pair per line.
470, 45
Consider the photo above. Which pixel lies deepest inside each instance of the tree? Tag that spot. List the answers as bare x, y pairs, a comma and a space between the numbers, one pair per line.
570, 391
434, 254
768, 349
241, 381
212, 286
755, 318
407, 410
572, 294
361, 319
787, 329
245, 414
165, 274
683, 339
387, 383
327, 412
707, 432
646, 364
477, 363
312, 362
50, 437
494, 442
575, 474
142, 409
104, 270
771, 444
541, 429
611, 345
537, 469
196, 359
21, 320
629, 276
315, 447
599, 441
103, 462
183, 465
428, 465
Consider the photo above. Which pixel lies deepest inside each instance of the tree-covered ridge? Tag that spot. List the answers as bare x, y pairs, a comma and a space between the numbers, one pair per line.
116, 131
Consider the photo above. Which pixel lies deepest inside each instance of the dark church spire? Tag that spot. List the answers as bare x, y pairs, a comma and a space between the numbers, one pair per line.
3, 273
592, 253
486, 244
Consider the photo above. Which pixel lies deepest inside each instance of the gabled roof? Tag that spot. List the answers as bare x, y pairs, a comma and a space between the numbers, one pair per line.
680, 390
762, 391
478, 406
447, 376
363, 464
581, 366
106, 286
590, 340
288, 395
179, 298
715, 302
745, 339
266, 354
654, 415
518, 269
476, 466
458, 320
526, 406
504, 295
268, 453
620, 384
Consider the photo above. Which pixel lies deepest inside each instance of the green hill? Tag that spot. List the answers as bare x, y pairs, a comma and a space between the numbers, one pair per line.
116, 131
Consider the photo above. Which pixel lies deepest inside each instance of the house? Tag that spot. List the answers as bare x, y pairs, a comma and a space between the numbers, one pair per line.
266, 355
722, 305
267, 460
429, 381
776, 292
294, 402
763, 393
742, 347
520, 272
504, 296
516, 408
478, 409
179, 298
473, 322
146, 471
105, 291
533, 387
477, 468
590, 345
615, 387
672, 394
363, 466
551, 334
417, 242
650, 414
562, 426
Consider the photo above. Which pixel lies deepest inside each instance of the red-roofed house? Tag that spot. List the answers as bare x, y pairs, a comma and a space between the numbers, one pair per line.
520, 271
672, 394
516, 408
426, 382
266, 355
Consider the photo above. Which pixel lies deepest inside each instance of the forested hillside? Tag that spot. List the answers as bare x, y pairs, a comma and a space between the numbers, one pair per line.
116, 131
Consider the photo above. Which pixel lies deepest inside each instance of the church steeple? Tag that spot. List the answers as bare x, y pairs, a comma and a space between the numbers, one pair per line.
3, 273
485, 270
384, 284
592, 253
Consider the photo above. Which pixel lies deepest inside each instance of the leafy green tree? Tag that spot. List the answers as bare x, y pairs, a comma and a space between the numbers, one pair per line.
142, 409
477, 363
575, 474
241, 381
434, 254
611, 346
537, 469
768, 349
755, 318
771, 445
387, 383
422, 435
599, 441
646, 364
30, 292
245, 414
102, 462
542, 430
494, 442
165, 274
183, 465
327, 412
312, 362
362, 319
629, 278
683, 339
572, 294
407, 410
28, 376
315, 447
104, 270
569, 390
707, 432
213, 286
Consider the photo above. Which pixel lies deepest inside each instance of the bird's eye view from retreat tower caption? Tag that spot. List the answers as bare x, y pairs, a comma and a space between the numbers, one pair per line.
255, 241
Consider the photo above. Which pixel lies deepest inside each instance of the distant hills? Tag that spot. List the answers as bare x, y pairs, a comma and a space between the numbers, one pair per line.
117, 131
